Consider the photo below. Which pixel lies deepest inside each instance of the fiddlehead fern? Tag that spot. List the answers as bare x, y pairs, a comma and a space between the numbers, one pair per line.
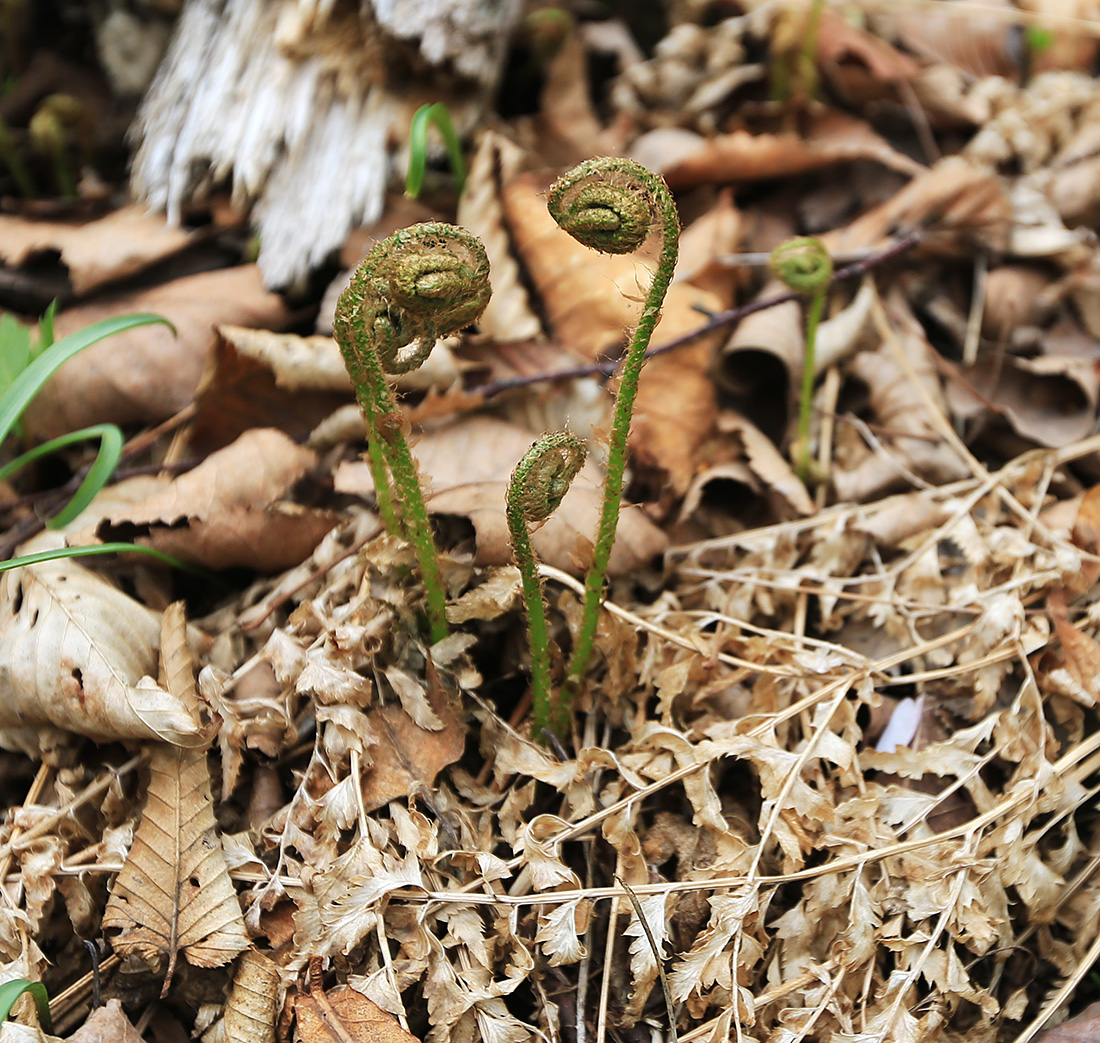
611, 205
806, 267
538, 484
422, 283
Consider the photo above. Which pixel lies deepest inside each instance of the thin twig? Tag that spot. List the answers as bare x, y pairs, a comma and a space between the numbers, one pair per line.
608, 367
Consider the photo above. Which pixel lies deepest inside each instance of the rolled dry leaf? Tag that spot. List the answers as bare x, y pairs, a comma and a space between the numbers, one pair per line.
761, 363
913, 445
508, 316
1050, 400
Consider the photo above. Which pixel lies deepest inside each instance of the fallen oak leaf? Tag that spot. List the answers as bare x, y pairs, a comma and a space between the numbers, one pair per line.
228, 511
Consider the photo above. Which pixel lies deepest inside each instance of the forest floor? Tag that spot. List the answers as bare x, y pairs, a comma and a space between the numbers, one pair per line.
832, 774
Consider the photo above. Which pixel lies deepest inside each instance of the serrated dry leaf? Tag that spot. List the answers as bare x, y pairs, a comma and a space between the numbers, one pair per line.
122, 243
146, 374
360, 1020
228, 511
173, 893
78, 654
408, 757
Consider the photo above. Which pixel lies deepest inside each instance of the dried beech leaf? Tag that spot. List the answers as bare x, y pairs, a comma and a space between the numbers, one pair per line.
122, 243
173, 893
78, 654
508, 315
360, 1019
227, 511
145, 375
467, 466
962, 203
832, 137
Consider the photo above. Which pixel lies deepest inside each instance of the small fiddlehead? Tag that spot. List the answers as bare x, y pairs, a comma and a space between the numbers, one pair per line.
538, 484
611, 205
422, 283
806, 267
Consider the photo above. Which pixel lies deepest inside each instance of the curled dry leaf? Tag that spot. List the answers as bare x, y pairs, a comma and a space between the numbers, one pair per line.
252, 1005
1050, 400
343, 1015
173, 893
122, 243
687, 160
77, 654
228, 510
913, 443
146, 374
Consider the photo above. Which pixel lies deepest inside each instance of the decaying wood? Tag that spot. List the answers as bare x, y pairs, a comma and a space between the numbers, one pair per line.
298, 101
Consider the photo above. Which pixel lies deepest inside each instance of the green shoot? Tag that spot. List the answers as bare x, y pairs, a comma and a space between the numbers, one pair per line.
438, 115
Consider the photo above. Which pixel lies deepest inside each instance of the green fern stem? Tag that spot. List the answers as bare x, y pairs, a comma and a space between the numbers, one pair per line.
610, 205
420, 284
805, 266
538, 484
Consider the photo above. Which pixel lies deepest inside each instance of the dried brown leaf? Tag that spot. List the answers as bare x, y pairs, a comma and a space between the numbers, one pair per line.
122, 243
174, 893
468, 464
146, 374
78, 654
831, 137
961, 203
1084, 1028
349, 1016
252, 1005
408, 757
106, 1024
228, 510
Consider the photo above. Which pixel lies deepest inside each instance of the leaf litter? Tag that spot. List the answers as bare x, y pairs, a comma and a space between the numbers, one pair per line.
834, 775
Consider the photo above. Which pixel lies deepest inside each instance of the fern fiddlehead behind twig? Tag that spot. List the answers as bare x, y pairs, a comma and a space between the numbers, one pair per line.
611, 205
806, 267
422, 283
539, 482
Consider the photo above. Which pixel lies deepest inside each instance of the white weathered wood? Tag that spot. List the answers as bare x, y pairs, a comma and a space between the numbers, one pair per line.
295, 103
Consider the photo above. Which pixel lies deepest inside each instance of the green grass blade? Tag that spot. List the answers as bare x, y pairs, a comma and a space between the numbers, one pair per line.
10, 991
15, 349
30, 381
438, 114
45, 328
105, 548
110, 451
